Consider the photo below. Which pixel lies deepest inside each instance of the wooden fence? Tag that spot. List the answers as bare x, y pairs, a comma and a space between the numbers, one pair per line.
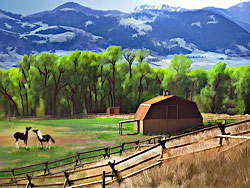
72, 162
117, 170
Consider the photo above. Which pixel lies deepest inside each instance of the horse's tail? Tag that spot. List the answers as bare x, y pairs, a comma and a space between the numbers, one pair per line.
52, 140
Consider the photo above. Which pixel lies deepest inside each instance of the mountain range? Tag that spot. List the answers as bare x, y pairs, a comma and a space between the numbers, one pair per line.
163, 30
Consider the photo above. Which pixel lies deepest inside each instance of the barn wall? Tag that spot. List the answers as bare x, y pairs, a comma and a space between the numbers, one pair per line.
136, 127
142, 127
169, 125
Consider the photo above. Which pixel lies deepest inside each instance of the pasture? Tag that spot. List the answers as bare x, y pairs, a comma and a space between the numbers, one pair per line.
71, 136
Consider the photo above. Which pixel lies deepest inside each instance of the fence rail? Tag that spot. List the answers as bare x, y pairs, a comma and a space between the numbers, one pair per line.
152, 144
77, 160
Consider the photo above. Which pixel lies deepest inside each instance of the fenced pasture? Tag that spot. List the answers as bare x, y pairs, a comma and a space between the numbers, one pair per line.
71, 136
158, 151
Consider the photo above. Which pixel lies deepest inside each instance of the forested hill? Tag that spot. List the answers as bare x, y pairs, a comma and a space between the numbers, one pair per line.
46, 84
72, 27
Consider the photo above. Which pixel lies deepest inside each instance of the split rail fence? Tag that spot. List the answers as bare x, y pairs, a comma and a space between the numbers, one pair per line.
108, 172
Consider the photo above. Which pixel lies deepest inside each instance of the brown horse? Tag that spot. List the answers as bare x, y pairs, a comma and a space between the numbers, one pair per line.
22, 136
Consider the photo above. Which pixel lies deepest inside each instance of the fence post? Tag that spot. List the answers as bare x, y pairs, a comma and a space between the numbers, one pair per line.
122, 148
29, 182
103, 179
149, 140
78, 160
46, 168
13, 174
222, 127
137, 144
67, 181
106, 153
163, 147
115, 172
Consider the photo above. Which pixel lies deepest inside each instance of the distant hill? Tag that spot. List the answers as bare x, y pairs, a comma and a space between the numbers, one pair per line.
165, 31
239, 14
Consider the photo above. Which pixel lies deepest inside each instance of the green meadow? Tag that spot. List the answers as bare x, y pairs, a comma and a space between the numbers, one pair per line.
70, 135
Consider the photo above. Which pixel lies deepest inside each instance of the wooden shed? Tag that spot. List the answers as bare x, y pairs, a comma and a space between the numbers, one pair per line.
167, 114
113, 110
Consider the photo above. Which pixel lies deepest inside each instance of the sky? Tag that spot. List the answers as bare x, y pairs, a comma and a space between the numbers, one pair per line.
26, 7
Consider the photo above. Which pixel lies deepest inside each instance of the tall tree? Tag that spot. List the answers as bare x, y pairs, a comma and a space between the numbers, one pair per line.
60, 66
217, 87
7, 86
45, 64
180, 63
113, 53
130, 57
141, 55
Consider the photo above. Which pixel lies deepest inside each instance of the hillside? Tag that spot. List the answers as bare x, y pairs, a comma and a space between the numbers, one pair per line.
163, 31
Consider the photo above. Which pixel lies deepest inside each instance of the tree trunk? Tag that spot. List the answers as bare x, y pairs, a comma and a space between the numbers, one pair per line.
90, 99
4, 92
102, 96
23, 113
192, 92
68, 106
213, 104
130, 70
27, 104
23, 110
96, 105
86, 103
113, 84
140, 89
110, 94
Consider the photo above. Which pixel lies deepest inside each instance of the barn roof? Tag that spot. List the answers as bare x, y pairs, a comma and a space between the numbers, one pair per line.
144, 107
158, 99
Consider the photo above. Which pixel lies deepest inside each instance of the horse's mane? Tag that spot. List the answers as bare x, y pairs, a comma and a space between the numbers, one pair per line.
39, 134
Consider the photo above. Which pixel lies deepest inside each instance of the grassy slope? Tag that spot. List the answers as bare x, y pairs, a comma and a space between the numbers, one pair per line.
232, 171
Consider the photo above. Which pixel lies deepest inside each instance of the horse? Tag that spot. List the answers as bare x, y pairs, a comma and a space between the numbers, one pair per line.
22, 136
43, 138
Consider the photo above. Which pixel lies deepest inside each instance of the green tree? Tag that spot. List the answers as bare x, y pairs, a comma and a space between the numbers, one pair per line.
217, 88
199, 81
130, 57
180, 63
141, 55
45, 63
113, 53
242, 89
8, 88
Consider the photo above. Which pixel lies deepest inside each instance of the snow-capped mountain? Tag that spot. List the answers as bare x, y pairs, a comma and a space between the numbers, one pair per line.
164, 31
71, 6
162, 7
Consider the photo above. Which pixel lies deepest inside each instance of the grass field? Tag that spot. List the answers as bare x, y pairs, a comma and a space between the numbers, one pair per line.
71, 136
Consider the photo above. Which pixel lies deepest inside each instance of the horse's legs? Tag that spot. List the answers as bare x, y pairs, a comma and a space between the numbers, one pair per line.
25, 142
42, 144
17, 143
47, 145
38, 144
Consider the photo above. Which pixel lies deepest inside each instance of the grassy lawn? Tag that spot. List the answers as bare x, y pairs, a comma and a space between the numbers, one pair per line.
71, 136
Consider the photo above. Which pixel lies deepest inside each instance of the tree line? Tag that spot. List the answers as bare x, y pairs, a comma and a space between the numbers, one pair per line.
88, 82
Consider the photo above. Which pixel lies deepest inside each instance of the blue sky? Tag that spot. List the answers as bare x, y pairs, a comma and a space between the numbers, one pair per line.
32, 6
